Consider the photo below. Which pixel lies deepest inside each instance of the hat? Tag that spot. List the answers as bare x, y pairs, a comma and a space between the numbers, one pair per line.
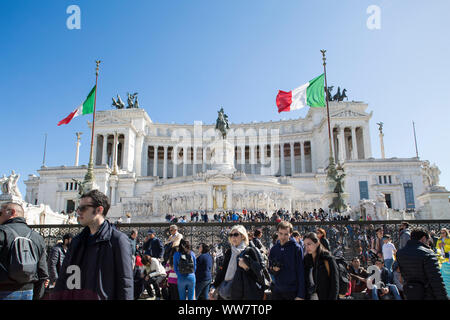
150, 231
139, 261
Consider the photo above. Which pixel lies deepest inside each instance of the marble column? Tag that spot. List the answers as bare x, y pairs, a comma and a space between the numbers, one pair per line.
292, 158
341, 141
125, 149
145, 160
115, 151
138, 154
185, 151
272, 159
204, 159
302, 155
283, 169
175, 161
262, 156
155, 161
165, 162
252, 158
313, 156
367, 149
194, 165
243, 158
332, 145
104, 151
354, 145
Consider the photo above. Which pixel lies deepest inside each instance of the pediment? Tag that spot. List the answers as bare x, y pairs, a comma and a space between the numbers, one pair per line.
348, 114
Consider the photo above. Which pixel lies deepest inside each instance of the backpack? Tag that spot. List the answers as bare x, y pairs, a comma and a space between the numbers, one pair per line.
23, 258
186, 264
343, 276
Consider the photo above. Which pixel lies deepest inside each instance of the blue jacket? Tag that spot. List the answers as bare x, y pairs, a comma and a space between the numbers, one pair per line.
291, 277
105, 264
204, 266
176, 260
154, 248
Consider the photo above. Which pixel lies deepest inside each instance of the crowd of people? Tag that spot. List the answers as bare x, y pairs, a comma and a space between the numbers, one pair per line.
101, 262
259, 216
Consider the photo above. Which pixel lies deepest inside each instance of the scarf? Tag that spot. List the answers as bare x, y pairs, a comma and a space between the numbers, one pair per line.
232, 265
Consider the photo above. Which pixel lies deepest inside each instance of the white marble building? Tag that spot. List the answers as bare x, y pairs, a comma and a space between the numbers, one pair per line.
278, 164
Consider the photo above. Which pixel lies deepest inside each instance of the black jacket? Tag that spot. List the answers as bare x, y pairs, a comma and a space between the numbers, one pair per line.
249, 285
420, 270
6, 237
245, 286
55, 261
105, 263
154, 248
327, 287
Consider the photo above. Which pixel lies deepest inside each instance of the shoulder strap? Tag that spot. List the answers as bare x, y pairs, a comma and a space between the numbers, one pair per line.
327, 266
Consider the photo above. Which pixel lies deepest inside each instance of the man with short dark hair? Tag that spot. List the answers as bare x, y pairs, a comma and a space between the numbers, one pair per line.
153, 246
133, 240
405, 234
56, 258
387, 289
286, 264
13, 226
358, 276
420, 269
99, 256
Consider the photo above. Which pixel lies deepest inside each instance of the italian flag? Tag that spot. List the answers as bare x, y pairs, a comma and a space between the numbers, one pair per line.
86, 108
310, 94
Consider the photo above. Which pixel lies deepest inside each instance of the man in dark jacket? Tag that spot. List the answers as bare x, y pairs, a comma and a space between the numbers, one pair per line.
153, 246
286, 264
98, 264
56, 257
404, 235
12, 220
420, 269
203, 273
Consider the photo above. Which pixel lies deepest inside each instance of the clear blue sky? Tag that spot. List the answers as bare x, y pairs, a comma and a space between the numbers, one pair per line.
187, 58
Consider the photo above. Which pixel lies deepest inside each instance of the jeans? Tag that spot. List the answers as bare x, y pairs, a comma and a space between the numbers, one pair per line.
392, 289
16, 295
186, 283
388, 264
202, 289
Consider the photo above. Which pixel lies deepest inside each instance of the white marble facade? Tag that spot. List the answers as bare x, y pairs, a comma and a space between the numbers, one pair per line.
150, 169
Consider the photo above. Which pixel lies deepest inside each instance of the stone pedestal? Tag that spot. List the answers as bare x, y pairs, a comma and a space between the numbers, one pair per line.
222, 157
435, 203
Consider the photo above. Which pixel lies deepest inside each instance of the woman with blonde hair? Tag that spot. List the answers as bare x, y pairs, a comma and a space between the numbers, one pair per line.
242, 274
443, 244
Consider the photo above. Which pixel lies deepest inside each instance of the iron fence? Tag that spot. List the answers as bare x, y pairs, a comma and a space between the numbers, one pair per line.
347, 234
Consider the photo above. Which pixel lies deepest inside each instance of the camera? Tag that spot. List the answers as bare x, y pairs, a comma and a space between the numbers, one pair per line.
276, 264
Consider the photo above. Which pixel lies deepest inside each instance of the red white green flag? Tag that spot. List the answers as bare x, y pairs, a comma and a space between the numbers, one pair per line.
310, 94
87, 107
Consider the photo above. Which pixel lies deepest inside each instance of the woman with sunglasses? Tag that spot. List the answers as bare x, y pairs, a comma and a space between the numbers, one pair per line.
443, 244
242, 274
321, 271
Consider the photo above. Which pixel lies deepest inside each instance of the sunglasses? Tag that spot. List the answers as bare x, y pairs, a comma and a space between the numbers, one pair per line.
234, 234
84, 207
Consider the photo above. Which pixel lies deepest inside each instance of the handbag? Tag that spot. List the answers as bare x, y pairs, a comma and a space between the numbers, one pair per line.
225, 289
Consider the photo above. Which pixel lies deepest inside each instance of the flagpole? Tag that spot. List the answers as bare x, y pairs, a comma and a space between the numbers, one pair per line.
326, 97
415, 140
89, 177
45, 149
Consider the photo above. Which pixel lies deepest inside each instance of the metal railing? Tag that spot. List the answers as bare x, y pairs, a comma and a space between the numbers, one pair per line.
215, 233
